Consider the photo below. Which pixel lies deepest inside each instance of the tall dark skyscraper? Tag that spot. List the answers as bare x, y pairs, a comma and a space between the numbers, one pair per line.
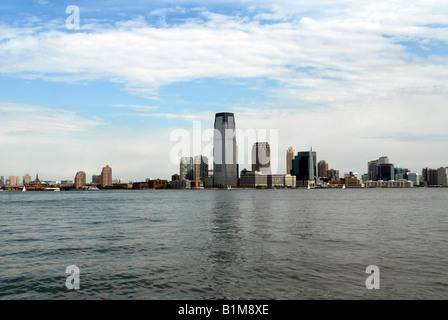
304, 167
261, 157
225, 165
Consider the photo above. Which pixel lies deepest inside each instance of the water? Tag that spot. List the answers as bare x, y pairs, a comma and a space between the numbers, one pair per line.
229, 244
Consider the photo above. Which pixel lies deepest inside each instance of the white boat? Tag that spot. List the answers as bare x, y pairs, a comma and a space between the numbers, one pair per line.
343, 186
308, 187
24, 189
93, 189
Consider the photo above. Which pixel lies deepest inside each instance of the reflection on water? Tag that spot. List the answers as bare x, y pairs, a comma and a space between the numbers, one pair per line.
224, 244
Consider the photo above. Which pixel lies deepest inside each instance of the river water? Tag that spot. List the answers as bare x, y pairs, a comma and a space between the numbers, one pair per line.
225, 244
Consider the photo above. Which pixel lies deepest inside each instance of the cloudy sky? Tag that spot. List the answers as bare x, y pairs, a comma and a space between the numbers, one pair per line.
354, 80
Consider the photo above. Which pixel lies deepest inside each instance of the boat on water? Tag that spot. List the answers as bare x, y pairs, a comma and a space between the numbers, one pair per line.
24, 189
52, 189
343, 186
93, 189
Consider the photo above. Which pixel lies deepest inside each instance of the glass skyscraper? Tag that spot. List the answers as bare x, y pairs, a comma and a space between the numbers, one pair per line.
225, 165
304, 167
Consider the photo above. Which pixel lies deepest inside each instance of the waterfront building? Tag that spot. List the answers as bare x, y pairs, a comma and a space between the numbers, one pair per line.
256, 179
181, 184
225, 166
333, 174
261, 157
17, 181
429, 176
371, 169
200, 168
385, 171
26, 179
186, 168
401, 173
175, 177
106, 176
304, 167
12, 181
96, 179
80, 179
290, 155
322, 169
2, 181
414, 177
442, 176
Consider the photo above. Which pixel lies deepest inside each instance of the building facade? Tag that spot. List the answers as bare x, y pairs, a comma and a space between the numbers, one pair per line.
442, 177
186, 168
261, 157
305, 167
225, 165
322, 169
80, 179
106, 176
290, 155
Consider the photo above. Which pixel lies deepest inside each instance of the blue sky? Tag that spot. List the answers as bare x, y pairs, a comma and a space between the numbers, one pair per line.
354, 79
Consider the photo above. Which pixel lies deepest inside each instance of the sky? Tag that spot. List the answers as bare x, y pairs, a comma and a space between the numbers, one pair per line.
353, 80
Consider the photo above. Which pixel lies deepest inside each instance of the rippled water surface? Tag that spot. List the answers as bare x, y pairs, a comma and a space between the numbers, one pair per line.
229, 244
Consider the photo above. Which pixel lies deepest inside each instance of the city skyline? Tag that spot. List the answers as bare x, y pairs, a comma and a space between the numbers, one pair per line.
322, 74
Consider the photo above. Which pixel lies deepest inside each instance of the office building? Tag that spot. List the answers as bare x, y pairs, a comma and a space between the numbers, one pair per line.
200, 168
385, 171
225, 166
322, 169
26, 179
80, 179
414, 177
106, 176
186, 168
442, 177
305, 167
96, 179
290, 155
429, 176
12, 181
261, 157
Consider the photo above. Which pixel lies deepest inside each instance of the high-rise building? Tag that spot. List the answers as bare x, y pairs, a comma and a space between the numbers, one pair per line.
12, 180
80, 179
322, 169
186, 168
2, 181
225, 165
106, 176
333, 174
261, 157
371, 169
442, 177
96, 178
200, 168
385, 171
17, 180
290, 155
414, 177
305, 167
26, 179
429, 176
